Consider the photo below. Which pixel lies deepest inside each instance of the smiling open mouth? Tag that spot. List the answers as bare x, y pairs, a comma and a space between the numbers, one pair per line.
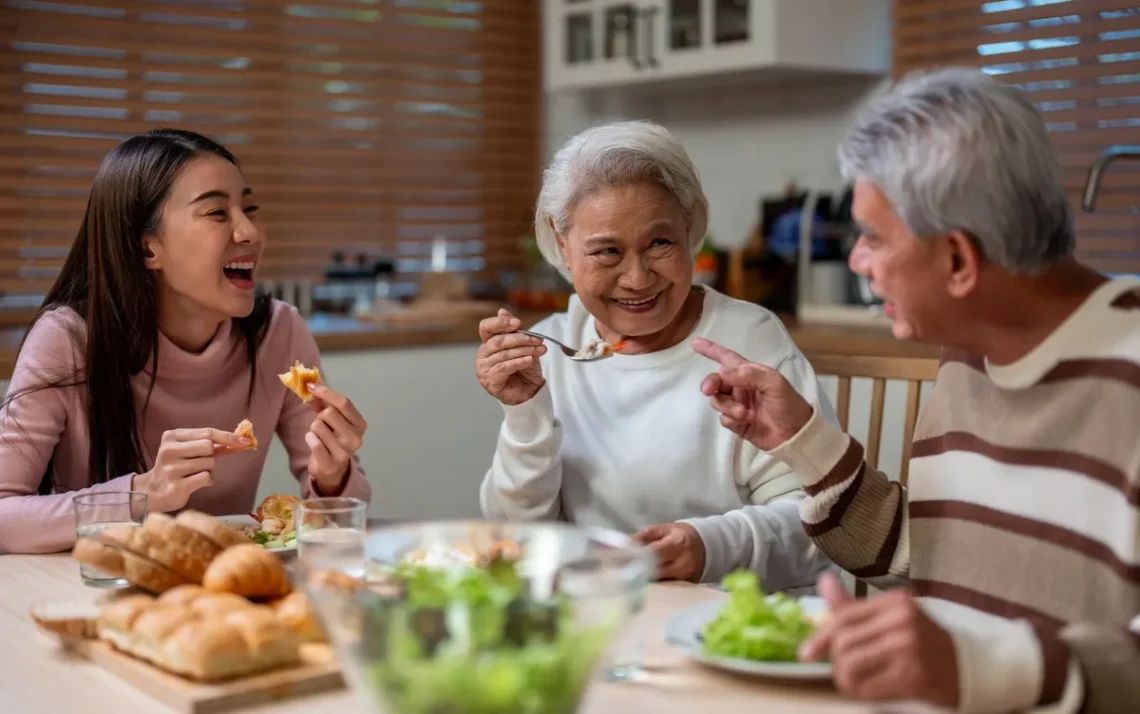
240, 272
638, 304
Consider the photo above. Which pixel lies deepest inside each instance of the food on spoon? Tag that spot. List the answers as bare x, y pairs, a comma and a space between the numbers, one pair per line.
247, 570
245, 429
298, 379
188, 636
597, 348
753, 626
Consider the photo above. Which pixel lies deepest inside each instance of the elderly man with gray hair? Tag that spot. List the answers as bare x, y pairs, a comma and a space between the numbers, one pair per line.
626, 442
1018, 534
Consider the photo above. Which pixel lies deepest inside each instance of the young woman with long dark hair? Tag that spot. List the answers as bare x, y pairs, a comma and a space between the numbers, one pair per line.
150, 349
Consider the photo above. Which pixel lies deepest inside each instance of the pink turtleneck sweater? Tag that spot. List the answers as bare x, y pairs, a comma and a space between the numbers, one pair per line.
208, 389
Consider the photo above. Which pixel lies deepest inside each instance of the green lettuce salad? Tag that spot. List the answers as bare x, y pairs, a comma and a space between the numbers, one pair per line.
470, 640
751, 625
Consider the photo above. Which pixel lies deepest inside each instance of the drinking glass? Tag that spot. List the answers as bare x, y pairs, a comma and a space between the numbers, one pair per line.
96, 511
330, 535
623, 661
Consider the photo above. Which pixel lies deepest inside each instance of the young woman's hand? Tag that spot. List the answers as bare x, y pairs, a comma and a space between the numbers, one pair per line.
334, 438
185, 463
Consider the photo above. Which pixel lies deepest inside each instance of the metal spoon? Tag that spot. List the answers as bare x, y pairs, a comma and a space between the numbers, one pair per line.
568, 351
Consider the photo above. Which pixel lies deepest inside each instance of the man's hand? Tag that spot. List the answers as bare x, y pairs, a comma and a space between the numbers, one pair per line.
884, 648
755, 402
679, 548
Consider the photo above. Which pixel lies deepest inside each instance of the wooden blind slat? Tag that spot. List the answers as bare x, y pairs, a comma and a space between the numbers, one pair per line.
1079, 61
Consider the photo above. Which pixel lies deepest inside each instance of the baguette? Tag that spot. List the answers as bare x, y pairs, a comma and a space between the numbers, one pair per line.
100, 556
181, 633
298, 379
186, 562
109, 554
214, 529
197, 546
247, 570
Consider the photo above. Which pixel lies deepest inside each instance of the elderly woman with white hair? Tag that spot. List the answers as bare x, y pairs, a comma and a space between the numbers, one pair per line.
628, 442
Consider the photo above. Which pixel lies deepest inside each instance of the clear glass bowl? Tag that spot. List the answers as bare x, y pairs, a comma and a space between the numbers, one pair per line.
520, 636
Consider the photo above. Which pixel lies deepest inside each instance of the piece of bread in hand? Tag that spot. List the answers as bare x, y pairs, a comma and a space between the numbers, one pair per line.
248, 570
245, 429
214, 529
298, 379
296, 611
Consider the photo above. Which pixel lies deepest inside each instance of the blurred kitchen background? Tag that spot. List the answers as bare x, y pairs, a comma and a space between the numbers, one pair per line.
396, 148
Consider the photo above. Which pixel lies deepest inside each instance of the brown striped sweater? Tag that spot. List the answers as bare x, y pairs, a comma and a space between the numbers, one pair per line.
1020, 526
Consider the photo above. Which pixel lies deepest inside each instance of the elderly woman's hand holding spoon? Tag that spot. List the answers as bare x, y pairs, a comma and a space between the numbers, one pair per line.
507, 362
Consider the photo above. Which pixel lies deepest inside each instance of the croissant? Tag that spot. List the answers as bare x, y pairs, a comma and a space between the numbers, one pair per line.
247, 570
199, 635
298, 378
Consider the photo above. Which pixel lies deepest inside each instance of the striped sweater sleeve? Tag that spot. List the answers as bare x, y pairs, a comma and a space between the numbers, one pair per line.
853, 512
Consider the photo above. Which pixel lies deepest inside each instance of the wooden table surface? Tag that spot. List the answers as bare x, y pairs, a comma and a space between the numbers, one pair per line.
35, 676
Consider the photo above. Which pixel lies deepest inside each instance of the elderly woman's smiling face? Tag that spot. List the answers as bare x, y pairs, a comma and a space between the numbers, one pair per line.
627, 250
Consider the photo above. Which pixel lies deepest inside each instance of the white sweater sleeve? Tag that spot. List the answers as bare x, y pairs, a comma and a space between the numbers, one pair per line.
768, 536
525, 478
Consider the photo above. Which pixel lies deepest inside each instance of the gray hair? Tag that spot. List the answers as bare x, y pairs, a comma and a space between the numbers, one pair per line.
955, 149
612, 156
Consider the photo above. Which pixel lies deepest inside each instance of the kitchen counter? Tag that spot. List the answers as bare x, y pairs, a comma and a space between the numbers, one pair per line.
335, 333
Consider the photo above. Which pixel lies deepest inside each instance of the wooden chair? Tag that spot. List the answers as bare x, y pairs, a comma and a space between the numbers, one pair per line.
913, 370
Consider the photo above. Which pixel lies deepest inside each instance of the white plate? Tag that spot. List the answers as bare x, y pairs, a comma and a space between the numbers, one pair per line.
684, 630
250, 520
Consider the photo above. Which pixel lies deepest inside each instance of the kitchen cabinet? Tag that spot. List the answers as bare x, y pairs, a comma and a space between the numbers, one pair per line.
607, 43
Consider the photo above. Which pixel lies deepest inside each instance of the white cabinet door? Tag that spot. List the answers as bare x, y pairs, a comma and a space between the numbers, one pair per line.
598, 43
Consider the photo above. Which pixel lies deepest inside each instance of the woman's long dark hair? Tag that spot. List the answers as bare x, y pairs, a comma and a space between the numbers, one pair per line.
105, 280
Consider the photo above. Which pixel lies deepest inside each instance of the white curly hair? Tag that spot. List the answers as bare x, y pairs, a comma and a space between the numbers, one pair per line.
611, 156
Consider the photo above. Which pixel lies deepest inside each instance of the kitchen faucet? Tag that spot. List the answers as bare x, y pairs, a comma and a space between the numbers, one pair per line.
1106, 157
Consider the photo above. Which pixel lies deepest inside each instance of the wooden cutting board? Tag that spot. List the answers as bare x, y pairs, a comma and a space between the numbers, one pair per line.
318, 673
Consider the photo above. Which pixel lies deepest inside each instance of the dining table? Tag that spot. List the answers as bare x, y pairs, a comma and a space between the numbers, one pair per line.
38, 675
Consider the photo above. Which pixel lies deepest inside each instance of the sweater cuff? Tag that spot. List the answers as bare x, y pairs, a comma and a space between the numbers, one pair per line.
815, 450
1012, 669
719, 560
532, 420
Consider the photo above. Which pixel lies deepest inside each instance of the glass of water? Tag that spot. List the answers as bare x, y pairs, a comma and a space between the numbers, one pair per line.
623, 661
330, 535
96, 511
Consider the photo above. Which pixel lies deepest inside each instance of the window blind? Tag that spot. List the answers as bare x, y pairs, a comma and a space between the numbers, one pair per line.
1079, 60
373, 126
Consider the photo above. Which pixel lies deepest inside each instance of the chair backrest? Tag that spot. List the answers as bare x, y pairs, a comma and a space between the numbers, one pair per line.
913, 370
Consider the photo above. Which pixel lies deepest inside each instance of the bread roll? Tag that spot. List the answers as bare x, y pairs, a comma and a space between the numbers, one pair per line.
279, 507
197, 644
214, 529
247, 570
296, 611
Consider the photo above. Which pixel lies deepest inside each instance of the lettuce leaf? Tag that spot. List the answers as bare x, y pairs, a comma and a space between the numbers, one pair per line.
753, 626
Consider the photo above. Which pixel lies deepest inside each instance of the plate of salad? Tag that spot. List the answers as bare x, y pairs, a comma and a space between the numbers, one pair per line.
750, 632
